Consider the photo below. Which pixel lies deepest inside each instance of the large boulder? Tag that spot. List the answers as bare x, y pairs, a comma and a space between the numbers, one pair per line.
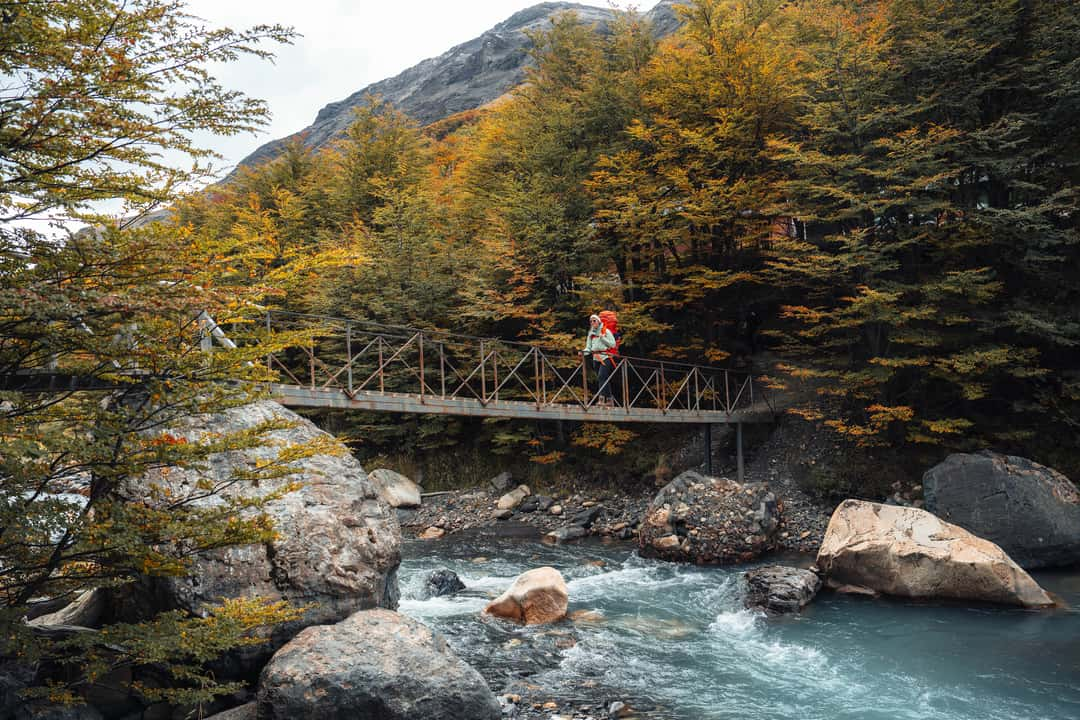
395, 489
375, 664
337, 544
780, 589
709, 520
910, 552
1031, 511
537, 596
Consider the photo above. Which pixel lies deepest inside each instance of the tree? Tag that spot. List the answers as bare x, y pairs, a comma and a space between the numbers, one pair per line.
98, 99
689, 205
525, 177
101, 100
940, 218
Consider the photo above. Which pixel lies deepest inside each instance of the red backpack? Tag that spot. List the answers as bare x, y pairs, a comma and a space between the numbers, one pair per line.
611, 322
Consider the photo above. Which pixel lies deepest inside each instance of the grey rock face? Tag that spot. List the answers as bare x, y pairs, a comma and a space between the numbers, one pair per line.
1031, 511
463, 78
780, 589
374, 664
337, 544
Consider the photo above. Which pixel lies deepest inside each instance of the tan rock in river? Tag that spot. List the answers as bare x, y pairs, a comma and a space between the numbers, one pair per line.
537, 596
910, 552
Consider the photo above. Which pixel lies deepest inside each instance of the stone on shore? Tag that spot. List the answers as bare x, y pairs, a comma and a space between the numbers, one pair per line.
537, 596
708, 520
395, 489
374, 664
778, 589
911, 553
512, 499
500, 482
560, 536
1031, 511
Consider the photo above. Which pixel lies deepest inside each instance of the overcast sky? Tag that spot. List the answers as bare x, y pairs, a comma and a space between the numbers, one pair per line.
346, 45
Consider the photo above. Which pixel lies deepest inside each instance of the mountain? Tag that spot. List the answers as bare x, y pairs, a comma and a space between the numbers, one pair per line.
465, 77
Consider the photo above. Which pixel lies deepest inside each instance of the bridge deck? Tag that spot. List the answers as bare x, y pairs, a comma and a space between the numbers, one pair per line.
296, 396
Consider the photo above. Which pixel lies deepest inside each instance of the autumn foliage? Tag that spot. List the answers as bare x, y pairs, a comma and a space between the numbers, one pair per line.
891, 185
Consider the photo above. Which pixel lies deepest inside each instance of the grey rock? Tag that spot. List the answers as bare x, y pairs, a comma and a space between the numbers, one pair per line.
1030, 511
543, 502
246, 711
337, 544
503, 514
465, 77
377, 664
529, 504
500, 482
512, 499
443, 582
587, 517
781, 589
564, 534
395, 489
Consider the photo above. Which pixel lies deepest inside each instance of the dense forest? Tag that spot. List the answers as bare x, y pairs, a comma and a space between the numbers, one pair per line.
890, 185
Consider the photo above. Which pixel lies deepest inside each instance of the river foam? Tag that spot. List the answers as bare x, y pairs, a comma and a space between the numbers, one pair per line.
677, 639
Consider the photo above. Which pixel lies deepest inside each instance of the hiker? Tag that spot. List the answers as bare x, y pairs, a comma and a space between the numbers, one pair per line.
601, 345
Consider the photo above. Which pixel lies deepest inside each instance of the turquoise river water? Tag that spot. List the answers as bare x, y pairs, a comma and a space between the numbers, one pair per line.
675, 641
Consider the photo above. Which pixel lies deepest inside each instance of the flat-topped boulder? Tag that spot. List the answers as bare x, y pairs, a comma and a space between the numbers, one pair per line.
1031, 511
374, 664
537, 596
912, 553
708, 520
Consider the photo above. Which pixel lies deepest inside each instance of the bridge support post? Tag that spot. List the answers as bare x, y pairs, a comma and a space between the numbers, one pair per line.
707, 432
738, 451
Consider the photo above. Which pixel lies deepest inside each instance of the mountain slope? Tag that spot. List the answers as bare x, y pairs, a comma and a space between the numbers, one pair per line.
465, 77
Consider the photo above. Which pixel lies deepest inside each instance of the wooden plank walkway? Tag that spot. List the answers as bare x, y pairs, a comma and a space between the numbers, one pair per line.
354, 365
296, 396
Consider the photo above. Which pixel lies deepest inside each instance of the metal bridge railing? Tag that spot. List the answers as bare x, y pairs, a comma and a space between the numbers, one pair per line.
356, 357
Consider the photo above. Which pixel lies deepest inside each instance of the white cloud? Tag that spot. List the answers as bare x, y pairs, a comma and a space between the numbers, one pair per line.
345, 47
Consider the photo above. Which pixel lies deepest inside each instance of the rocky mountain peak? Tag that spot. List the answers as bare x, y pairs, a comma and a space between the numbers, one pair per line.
466, 76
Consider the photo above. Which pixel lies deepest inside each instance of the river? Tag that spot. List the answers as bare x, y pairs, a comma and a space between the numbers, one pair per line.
675, 642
